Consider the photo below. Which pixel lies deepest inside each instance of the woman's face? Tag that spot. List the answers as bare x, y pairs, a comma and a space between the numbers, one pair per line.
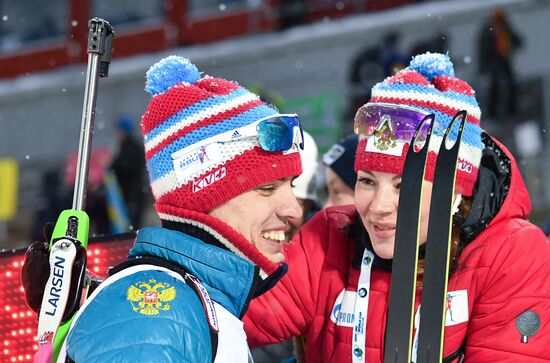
376, 200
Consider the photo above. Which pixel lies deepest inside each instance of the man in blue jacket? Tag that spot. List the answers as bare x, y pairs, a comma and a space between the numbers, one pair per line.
220, 165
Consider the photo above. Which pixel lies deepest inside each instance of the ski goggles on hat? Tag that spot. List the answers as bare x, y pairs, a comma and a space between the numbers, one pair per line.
278, 132
273, 133
401, 121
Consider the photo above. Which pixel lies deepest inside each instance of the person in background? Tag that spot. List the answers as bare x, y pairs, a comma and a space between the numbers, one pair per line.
370, 64
97, 204
53, 198
392, 58
498, 41
499, 260
291, 13
340, 175
129, 169
220, 164
305, 186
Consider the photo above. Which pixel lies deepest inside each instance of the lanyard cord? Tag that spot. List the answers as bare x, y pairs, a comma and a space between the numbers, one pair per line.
361, 308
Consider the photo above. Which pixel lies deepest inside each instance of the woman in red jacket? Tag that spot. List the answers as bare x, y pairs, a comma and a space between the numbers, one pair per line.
499, 261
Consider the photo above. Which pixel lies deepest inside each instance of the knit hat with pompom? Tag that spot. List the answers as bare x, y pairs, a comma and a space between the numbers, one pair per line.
429, 84
188, 109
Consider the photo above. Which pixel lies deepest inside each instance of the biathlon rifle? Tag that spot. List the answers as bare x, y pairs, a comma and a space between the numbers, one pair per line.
68, 279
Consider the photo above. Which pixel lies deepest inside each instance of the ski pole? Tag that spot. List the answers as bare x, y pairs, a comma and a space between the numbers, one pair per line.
69, 240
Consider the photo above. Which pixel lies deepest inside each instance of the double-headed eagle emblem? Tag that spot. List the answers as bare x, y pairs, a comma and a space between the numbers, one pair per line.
384, 136
149, 298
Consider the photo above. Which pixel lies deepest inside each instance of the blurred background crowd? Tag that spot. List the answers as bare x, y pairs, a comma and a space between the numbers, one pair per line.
318, 58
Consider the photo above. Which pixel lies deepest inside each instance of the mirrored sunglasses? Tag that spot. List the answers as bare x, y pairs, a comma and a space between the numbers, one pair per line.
402, 121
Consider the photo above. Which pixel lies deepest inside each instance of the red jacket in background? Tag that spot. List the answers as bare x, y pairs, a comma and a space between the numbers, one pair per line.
502, 273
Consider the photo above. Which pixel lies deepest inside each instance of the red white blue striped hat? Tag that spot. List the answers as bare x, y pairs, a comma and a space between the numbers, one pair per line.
429, 84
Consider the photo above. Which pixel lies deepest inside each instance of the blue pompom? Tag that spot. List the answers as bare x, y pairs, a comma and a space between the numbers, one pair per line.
170, 71
432, 64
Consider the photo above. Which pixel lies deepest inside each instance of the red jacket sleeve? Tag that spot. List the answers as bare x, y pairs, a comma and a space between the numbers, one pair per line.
516, 280
288, 308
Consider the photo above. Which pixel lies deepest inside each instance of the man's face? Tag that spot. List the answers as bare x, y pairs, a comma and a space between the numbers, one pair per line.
261, 216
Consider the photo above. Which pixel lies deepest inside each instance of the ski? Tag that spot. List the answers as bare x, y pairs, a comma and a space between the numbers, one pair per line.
405, 258
436, 269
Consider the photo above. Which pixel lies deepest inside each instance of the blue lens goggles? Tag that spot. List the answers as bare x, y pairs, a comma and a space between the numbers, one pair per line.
278, 132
